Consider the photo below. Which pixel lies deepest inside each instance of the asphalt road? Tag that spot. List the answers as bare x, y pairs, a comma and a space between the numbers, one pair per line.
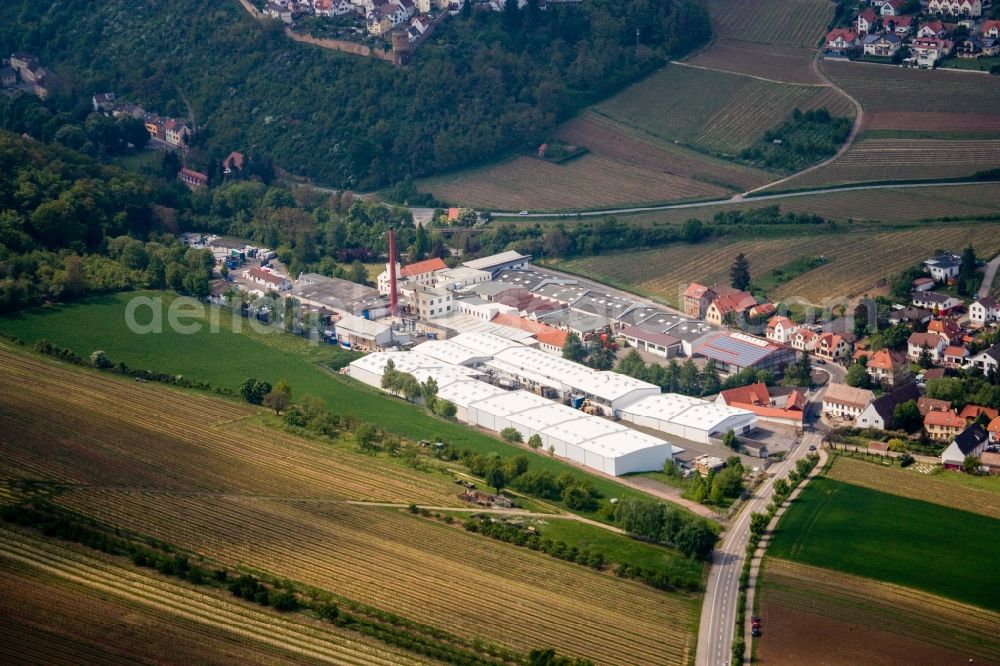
989, 275
718, 612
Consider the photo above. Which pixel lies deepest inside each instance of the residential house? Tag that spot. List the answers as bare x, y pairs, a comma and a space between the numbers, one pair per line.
276, 11
990, 462
901, 26
891, 7
926, 405
936, 302
192, 178
761, 310
990, 29
697, 298
954, 356
268, 279
910, 315
987, 360
418, 26
725, 307
780, 330
380, 21
866, 22
994, 430
943, 425
948, 329
970, 442
883, 46
845, 402
839, 40
879, 413
424, 6
408, 8
932, 30
832, 347
787, 409
972, 412
176, 133
934, 343
927, 51
103, 102
943, 267
971, 8
888, 368
984, 310
233, 163
804, 340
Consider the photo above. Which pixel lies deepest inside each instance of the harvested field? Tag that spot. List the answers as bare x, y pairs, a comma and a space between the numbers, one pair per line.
421, 569
710, 110
790, 64
792, 22
622, 167
931, 95
857, 263
938, 489
60, 605
79, 427
886, 624
894, 539
903, 159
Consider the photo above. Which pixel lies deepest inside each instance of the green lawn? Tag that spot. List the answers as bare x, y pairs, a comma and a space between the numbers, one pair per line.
226, 358
894, 539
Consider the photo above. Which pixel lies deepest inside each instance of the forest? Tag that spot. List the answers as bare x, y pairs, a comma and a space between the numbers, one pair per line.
485, 85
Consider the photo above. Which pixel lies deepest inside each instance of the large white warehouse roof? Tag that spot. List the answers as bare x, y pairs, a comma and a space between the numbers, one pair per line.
511, 402
465, 393
685, 410
405, 362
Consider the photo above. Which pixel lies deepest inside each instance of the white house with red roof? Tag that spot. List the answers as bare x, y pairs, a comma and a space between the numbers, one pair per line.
780, 329
267, 278
933, 29
866, 22
804, 340
421, 273
832, 347
785, 409
888, 368
839, 40
990, 28
891, 7
901, 25
972, 8
927, 50
935, 345
984, 310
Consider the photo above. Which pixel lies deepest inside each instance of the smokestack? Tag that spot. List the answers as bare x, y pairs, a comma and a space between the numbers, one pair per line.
393, 295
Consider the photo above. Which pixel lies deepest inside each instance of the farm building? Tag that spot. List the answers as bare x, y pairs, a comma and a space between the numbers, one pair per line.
687, 417
733, 352
609, 391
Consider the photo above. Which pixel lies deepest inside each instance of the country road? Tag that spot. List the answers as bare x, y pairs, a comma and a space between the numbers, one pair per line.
735, 199
989, 275
718, 611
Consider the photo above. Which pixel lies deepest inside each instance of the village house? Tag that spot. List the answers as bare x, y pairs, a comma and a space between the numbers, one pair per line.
176, 133
832, 347
971, 8
279, 12
984, 310
972, 412
943, 267
780, 330
902, 26
879, 413
994, 430
103, 102
933, 29
192, 178
845, 402
909, 315
970, 442
866, 22
804, 340
839, 40
948, 329
943, 425
932, 342
926, 405
697, 298
233, 163
927, 51
883, 46
725, 307
954, 356
938, 303
268, 279
888, 368
987, 360
786, 409
990, 29
891, 7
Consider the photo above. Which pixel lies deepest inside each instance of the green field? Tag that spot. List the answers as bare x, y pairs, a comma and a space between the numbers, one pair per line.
226, 358
893, 539
789, 22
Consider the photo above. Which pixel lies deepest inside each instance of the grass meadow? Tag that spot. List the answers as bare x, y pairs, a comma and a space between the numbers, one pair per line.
894, 539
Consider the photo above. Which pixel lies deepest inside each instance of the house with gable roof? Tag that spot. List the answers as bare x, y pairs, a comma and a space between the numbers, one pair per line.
970, 442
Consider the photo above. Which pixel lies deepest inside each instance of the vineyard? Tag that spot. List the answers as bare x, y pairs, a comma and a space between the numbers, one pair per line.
82, 428
904, 159
858, 531
790, 23
63, 606
789, 64
887, 624
621, 167
858, 261
712, 110
421, 569
984, 498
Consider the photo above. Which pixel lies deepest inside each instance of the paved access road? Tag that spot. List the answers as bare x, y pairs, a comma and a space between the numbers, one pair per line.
718, 611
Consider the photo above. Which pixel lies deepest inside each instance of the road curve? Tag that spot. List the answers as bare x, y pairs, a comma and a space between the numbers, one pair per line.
739, 198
